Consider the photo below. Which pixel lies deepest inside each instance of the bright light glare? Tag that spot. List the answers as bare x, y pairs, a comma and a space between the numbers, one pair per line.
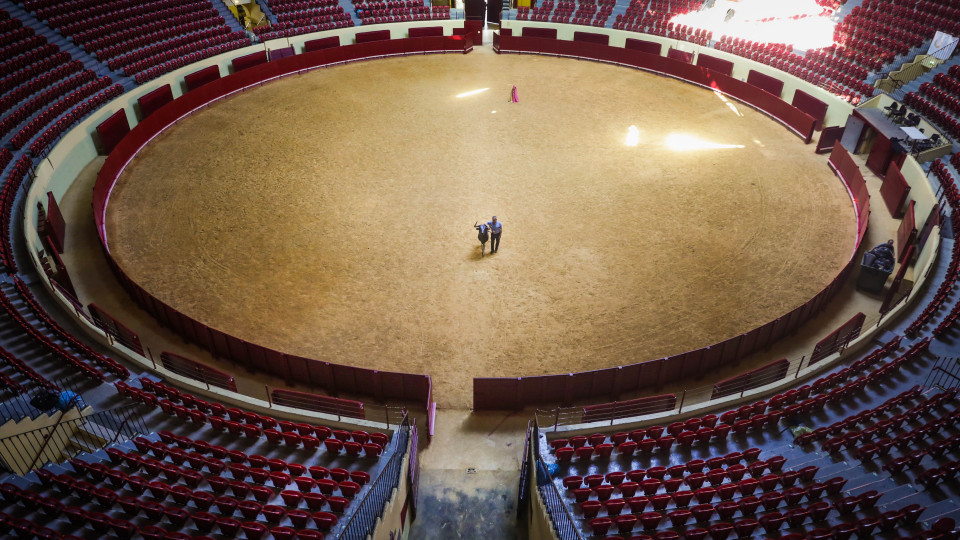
801, 23
682, 143
472, 92
728, 103
493, 112
633, 136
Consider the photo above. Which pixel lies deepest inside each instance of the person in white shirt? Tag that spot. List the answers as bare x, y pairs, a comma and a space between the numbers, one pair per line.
496, 228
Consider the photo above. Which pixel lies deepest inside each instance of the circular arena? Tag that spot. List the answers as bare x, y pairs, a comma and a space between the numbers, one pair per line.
271, 329
342, 227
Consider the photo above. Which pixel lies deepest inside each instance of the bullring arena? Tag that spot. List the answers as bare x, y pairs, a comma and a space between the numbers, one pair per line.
244, 295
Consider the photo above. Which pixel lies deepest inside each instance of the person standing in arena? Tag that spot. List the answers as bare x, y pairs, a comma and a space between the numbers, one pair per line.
496, 228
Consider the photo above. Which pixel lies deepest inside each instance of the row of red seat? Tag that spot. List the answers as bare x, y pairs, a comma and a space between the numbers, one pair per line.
44, 99
14, 31
149, 41
53, 133
38, 83
160, 51
39, 122
770, 522
946, 121
47, 343
27, 73
19, 47
29, 58
287, 6
238, 416
98, 38
873, 439
11, 185
948, 98
822, 433
106, 363
6, 156
293, 28
21, 367
193, 52
952, 195
102, 14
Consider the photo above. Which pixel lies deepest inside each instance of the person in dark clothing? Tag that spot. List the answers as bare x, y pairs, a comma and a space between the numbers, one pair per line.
483, 234
884, 256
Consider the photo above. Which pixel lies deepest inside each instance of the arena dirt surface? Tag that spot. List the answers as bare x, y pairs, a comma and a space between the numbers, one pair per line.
330, 215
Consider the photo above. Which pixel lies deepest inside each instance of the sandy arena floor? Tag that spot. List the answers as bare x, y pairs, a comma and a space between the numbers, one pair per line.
330, 215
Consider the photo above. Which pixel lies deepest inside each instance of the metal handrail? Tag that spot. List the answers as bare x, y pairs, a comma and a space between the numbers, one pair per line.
46, 440
357, 527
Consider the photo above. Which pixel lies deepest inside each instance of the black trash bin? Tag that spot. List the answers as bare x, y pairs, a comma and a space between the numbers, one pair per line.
871, 278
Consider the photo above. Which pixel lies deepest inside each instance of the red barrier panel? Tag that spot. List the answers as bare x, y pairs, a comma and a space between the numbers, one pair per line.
320, 44
765, 82
715, 64
628, 408
837, 339
680, 56
591, 37
112, 131
196, 370
533, 32
816, 108
199, 78
828, 138
115, 329
247, 61
319, 403
56, 226
644, 46
373, 35
907, 233
152, 101
894, 190
764, 375
425, 31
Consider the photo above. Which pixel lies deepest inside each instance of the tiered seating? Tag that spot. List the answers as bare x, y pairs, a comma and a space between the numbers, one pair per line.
945, 90
536, 13
952, 196
303, 17
937, 115
55, 349
142, 40
586, 13
700, 497
818, 67
187, 407
630, 483
10, 187
384, 11
179, 484
876, 32
106, 363
53, 110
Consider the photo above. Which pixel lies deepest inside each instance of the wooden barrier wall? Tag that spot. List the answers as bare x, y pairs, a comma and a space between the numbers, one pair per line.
514, 393
333, 378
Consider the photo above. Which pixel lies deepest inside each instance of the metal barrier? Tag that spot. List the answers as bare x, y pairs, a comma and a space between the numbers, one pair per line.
945, 373
364, 520
563, 523
386, 414
65, 439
